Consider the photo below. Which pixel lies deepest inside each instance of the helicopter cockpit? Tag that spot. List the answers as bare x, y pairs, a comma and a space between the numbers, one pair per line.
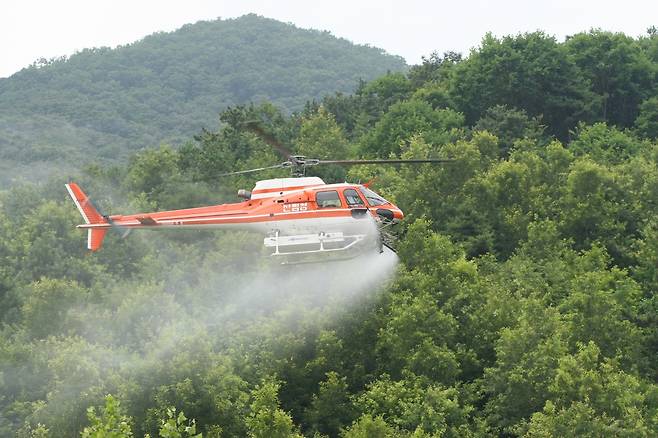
373, 198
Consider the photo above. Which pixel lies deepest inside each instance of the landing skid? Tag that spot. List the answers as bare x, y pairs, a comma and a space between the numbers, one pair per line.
313, 248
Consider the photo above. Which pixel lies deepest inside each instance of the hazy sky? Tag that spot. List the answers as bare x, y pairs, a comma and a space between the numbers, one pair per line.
31, 29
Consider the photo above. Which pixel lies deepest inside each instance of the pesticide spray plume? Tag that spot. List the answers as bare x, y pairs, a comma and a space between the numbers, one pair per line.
239, 305
235, 306
310, 286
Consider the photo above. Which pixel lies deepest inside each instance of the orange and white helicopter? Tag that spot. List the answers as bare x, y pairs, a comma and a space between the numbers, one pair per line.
301, 217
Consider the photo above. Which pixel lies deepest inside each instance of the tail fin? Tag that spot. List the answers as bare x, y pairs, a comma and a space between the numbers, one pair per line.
90, 215
87, 209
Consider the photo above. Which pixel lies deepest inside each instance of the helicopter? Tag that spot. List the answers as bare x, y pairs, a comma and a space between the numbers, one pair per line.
302, 218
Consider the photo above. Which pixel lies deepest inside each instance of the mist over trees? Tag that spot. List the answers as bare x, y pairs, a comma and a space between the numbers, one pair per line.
523, 303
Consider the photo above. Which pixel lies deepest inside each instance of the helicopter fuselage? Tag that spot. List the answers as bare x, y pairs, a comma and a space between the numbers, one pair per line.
291, 210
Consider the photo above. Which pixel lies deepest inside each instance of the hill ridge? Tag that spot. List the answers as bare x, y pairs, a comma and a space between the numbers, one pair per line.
106, 103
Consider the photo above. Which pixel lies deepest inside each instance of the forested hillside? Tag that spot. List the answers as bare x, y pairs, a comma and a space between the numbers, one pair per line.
522, 302
104, 104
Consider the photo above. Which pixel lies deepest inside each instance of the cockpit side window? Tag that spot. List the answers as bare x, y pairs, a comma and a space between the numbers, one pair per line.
373, 198
353, 199
328, 198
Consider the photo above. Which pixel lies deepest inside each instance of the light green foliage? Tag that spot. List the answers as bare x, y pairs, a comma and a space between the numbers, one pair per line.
8, 250
505, 193
46, 236
409, 404
602, 308
320, 136
596, 307
112, 423
604, 144
417, 338
177, 426
647, 256
406, 119
27, 431
436, 95
369, 427
266, 419
594, 398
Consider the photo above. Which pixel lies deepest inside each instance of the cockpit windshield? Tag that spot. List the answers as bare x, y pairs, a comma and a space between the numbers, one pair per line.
373, 198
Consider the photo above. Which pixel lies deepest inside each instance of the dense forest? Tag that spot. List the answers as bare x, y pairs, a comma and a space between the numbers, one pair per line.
106, 104
522, 300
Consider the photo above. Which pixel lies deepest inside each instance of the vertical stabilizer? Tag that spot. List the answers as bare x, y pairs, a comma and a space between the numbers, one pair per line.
82, 201
91, 216
95, 238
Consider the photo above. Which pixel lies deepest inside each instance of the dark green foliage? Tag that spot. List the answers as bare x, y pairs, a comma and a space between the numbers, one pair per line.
436, 68
619, 71
331, 408
530, 71
509, 125
647, 119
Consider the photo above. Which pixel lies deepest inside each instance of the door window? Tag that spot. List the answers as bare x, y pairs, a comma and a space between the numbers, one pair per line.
327, 199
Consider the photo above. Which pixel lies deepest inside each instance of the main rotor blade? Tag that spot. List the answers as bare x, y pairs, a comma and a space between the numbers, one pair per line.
384, 161
241, 172
269, 139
